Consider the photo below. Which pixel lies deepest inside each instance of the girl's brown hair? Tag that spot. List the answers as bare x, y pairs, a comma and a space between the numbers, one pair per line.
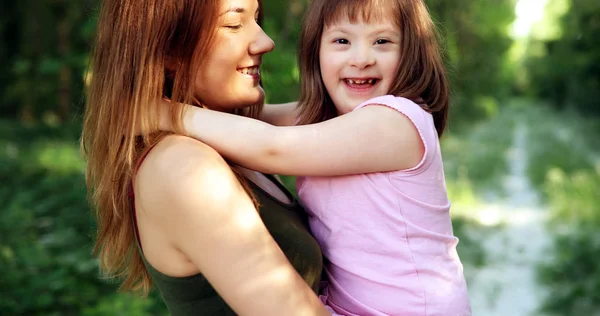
144, 50
421, 74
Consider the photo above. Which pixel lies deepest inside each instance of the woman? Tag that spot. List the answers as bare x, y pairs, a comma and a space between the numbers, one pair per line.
170, 210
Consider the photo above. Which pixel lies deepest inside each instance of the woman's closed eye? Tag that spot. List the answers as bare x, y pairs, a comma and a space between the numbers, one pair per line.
240, 25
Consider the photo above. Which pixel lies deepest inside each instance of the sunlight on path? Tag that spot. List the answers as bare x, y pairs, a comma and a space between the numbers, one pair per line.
506, 285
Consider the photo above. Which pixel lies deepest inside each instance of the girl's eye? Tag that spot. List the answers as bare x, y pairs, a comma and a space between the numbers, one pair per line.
234, 27
342, 41
381, 41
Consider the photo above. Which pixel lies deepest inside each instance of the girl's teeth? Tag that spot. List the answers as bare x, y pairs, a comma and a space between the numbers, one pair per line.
370, 81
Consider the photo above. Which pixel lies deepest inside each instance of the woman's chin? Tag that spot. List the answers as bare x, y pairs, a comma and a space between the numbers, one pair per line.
253, 98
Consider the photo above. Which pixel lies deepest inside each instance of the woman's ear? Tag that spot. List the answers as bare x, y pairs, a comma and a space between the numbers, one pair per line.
170, 69
170, 64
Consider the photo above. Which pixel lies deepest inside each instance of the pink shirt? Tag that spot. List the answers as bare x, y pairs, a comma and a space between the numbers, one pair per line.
387, 236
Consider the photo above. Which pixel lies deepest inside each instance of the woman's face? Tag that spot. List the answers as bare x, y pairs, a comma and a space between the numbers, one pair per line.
230, 76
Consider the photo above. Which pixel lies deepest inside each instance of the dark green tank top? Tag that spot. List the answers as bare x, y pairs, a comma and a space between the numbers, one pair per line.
287, 224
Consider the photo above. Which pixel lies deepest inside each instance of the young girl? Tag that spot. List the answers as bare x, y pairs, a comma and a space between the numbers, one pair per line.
373, 104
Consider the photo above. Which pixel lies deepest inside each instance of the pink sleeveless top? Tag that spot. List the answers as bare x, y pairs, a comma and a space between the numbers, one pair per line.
387, 237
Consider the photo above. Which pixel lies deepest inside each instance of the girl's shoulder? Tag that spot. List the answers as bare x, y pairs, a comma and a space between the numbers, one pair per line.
403, 105
419, 117
422, 122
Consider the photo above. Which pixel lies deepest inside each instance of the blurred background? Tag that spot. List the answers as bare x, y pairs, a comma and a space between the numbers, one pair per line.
522, 155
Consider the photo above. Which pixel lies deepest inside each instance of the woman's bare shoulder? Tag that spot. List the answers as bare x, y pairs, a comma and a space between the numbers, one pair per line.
176, 152
180, 171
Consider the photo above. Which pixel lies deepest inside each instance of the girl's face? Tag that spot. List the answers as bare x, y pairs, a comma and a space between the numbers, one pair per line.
230, 76
358, 61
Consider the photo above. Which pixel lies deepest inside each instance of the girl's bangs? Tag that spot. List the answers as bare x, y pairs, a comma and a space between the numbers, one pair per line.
356, 11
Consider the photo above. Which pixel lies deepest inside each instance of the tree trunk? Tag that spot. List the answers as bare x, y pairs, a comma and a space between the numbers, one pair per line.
65, 78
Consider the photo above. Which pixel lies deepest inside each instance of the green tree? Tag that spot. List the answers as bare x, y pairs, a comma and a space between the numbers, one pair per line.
476, 41
46, 44
564, 69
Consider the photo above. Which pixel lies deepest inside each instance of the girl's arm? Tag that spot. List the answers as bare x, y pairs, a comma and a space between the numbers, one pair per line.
202, 209
283, 114
371, 139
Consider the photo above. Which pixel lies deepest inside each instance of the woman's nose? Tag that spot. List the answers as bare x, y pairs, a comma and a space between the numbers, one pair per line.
262, 45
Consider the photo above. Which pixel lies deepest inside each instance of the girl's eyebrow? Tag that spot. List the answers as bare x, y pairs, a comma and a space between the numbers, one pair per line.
342, 29
336, 28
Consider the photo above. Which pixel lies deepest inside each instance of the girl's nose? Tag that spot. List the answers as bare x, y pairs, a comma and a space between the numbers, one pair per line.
362, 57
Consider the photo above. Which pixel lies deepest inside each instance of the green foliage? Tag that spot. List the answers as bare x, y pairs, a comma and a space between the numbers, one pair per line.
470, 249
44, 56
564, 141
479, 155
280, 68
564, 164
45, 249
476, 40
565, 69
573, 273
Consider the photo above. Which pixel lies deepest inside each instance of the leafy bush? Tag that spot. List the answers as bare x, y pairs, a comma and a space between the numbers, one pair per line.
47, 230
573, 274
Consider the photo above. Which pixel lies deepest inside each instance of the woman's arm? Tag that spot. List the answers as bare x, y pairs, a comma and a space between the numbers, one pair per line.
190, 190
371, 139
283, 114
